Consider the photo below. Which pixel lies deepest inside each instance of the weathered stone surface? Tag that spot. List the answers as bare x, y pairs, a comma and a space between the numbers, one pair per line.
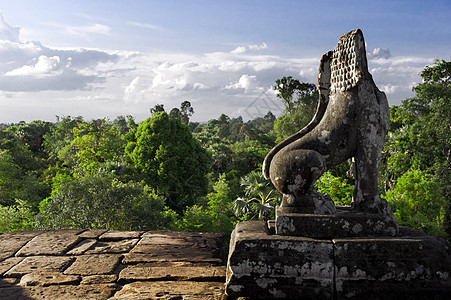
114, 235
272, 266
171, 290
113, 246
66, 292
92, 234
192, 273
39, 264
391, 268
10, 244
48, 278
76, 274
411, 266
173, 246
345, 223
99, 279
81, 247
9, 263
94, 264
55, 243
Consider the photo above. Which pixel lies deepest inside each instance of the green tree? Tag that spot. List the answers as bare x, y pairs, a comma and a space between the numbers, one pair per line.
420, 136
101, 201
213, 216
300, 100
416, 202
170, 160
16, 217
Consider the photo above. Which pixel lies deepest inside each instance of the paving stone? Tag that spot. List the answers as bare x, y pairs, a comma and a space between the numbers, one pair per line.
10, 244
9, 263
114, 235
171, 290
98, 279
92, 234
94, 264
48, 278
39, 264
113, 246
54, 243
143, 252
205, 273
66, 292
81, 247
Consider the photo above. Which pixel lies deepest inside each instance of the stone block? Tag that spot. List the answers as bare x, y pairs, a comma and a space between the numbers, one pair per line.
99, 279
81, 247
10, 244
47, 279
94, 264
35, 264
272, 266
67, 292
403, 267
345, 223
115, 235
171, 290
112, 246
55, 243
9, 263
172, 272
92, 234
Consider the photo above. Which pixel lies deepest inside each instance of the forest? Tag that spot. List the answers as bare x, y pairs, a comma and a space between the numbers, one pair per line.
168, 172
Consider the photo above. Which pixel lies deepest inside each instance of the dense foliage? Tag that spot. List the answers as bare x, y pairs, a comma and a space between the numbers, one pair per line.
169, 173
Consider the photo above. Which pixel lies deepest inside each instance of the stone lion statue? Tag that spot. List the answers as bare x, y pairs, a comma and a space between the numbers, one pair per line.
351, 121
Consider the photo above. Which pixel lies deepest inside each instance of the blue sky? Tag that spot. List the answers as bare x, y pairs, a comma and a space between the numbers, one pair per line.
107, 58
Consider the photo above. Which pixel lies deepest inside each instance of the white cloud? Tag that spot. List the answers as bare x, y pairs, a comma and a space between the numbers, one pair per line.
8, 32
379, 53
244, 49
41, 80
44, 66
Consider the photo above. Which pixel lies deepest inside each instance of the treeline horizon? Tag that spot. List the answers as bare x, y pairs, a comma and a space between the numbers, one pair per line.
167, 172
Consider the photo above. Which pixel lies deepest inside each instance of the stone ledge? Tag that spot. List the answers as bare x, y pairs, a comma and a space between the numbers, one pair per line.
264, 266
345, 223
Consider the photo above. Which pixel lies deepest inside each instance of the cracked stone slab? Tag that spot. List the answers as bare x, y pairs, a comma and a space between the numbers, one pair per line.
48, 278
81, 247
39, 264
113, 246
192, 273
67, 292
55, 243
9, 263
98, 279
95, 264
92, 234
114, 235
171, 290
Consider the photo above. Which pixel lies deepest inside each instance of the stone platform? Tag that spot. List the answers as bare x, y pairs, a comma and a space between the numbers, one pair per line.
101, 264
410, 265
343, 223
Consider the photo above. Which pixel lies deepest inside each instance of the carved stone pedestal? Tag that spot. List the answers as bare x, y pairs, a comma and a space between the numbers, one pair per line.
410, 265
344, 223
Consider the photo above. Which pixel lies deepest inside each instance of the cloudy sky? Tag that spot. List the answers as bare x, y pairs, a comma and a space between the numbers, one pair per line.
98, 58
